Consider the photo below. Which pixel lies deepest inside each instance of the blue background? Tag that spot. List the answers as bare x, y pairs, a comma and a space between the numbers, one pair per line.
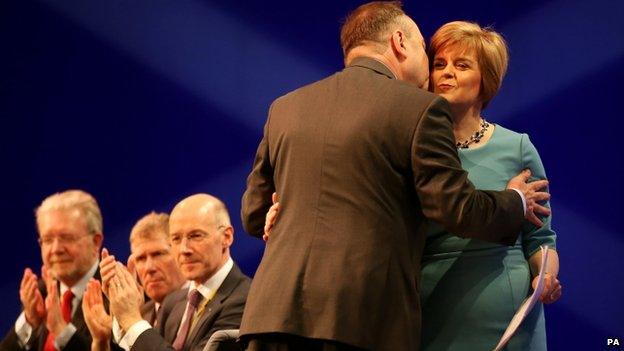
142, 103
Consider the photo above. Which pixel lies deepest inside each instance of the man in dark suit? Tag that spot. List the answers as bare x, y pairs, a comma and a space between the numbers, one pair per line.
70, 235
201, 234
361, 160
154, 262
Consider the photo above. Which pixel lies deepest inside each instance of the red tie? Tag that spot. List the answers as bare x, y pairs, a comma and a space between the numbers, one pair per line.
66, 307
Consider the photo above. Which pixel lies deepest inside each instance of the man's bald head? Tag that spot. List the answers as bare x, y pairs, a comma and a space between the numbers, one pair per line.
203, 205
201, 234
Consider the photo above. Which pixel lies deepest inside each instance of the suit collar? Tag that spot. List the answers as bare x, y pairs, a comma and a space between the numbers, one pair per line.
148, 311
229, 284
371, 63
208, 288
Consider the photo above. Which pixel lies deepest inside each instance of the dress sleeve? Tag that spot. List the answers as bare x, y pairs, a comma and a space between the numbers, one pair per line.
532, 236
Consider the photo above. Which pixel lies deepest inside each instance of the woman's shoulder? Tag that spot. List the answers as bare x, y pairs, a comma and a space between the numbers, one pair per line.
508, 133
510, 137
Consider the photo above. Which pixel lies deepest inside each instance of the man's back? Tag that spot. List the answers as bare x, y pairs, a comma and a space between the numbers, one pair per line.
345, 250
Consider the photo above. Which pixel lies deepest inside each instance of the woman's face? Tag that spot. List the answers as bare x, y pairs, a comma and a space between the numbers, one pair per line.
456, 76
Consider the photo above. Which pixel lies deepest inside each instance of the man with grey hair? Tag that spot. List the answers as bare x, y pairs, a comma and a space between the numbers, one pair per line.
200, 234
70, 236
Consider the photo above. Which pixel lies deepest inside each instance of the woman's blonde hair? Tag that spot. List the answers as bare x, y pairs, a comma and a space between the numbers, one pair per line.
489, 47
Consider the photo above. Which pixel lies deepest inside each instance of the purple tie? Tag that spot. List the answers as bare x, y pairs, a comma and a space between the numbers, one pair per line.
193, 302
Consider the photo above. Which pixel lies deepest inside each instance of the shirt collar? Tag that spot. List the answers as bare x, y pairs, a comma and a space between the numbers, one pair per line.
79, 288
209, 287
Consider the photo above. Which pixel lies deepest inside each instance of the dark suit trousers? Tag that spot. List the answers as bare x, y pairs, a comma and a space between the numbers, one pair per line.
289, 342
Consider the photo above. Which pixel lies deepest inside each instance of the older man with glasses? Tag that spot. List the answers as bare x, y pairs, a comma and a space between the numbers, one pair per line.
70, 236
201, 235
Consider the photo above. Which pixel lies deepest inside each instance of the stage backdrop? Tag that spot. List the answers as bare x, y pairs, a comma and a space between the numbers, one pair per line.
142, 103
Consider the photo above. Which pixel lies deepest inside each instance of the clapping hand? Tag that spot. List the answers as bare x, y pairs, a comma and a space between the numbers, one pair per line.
96, 318
32, 300
123, 291
54, 317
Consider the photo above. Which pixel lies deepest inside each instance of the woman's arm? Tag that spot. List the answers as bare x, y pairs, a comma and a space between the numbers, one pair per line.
552, 287
534, 237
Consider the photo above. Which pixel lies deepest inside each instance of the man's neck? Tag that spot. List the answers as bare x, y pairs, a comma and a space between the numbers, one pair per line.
363, 51
79, 285
216, 274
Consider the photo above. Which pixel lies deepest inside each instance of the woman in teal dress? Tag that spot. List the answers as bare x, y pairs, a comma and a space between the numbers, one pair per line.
471, 288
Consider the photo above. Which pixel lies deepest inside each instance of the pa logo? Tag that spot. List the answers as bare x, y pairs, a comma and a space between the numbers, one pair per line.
613, 342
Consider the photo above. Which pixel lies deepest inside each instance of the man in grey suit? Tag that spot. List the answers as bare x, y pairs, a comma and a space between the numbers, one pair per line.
201, 234
361, 160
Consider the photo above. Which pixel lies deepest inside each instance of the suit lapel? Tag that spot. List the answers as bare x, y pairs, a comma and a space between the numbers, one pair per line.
148, 312
205, 321
202, 323
172, 322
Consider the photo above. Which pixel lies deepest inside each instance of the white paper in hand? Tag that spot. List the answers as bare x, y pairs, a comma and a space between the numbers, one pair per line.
527, 305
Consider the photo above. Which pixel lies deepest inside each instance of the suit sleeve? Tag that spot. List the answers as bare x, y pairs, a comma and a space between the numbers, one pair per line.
260, 186
232, 313
11, 341
150, 340
446, 194
532, 236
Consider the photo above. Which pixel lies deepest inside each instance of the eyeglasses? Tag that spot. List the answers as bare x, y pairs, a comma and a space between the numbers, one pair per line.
63, 239
196, 236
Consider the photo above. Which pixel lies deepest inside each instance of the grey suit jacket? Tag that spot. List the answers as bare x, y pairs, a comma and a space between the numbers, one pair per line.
224, 311
148, 312
360, 160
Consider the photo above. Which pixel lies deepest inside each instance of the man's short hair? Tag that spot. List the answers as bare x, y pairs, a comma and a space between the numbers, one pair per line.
152, 226
488, 46
220, 212
74, 200
371, 23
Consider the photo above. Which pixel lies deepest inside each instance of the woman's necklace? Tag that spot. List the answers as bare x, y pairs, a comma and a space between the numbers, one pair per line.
474, 138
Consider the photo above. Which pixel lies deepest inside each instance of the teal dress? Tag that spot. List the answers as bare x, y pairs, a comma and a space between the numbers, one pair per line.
471, 288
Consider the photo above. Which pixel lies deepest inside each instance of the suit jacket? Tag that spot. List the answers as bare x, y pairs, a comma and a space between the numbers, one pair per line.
360, 160
148, 311
80, 341
224, 311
